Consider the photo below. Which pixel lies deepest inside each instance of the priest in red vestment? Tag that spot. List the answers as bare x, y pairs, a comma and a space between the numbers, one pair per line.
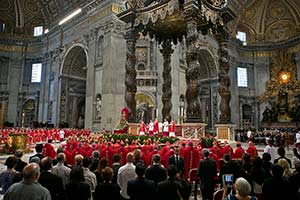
191, 158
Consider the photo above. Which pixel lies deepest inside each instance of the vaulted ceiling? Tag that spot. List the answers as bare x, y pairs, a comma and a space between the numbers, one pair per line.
262, 20
20, 16
267, 20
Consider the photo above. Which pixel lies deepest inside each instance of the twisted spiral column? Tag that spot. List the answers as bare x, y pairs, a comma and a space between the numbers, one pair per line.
166, 51
130, 76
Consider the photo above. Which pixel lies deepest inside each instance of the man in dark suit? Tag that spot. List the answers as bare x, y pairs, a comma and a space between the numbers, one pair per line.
169, 189
51, 181
21, 164
207, 171
38, 150
156, 172
115, 167
177, 161
140, 188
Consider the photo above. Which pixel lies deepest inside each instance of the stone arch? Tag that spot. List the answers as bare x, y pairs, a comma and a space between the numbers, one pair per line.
73, 87
145, 106
28, 112
208, 73
71, 57
208, 66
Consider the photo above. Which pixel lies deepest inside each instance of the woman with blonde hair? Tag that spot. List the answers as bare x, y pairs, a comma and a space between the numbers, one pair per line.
286, 166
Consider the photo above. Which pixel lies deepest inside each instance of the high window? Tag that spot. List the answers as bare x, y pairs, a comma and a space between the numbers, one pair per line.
38, 31
242, 37
242, 77
36, 73
2, 27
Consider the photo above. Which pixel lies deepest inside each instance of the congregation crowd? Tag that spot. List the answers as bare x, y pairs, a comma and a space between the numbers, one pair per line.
105, 170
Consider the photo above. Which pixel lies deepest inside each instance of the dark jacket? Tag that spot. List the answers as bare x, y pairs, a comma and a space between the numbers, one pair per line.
39, 155
179, 163
156, 173
78, 191
207, 172
169, 189
20, 165
141, 189
107, 191
53, 183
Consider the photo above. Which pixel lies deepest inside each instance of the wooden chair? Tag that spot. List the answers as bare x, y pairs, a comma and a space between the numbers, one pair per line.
218, 195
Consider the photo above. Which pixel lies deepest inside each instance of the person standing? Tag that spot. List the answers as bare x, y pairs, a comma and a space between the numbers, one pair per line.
156, 172
155, 127
239, 151
77, 189
191, 158
207, 171
51, 181
28, 188
170, 188
252, 151
61, 170
142, 128
107, 190
270, 149
10, 175
21, 164
151, 127
141, 188
177, 161
166, 128
172, 127
126, 173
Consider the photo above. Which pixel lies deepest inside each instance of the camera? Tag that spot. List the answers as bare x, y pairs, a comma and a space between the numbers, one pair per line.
228, 180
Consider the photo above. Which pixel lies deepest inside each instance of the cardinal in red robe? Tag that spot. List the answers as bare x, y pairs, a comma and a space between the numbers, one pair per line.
239, 151
252, 151
191, 158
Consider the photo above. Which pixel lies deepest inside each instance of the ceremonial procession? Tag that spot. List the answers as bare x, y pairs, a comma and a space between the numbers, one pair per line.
149, 100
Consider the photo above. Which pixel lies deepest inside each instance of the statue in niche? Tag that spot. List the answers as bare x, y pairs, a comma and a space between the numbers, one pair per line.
267, 115
98, 104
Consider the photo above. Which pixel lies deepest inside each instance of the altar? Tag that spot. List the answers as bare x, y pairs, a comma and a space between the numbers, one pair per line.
17, 140
186, 130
